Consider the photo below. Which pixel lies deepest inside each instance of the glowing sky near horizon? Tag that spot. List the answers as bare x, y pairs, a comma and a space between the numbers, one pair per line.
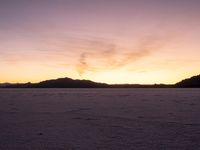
112, 41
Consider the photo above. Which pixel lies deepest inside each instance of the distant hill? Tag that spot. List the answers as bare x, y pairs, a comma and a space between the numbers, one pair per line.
193, 82
70, 83
60, 83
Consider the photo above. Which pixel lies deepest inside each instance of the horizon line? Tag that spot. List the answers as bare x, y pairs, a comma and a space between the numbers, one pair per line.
95, 81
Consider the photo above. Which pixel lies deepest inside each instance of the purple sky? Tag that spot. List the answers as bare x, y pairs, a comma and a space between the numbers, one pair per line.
114, 41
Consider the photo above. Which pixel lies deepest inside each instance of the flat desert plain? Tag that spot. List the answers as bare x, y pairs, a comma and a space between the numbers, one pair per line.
99, 119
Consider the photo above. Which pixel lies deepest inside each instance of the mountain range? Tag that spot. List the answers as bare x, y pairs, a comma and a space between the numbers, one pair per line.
193, 82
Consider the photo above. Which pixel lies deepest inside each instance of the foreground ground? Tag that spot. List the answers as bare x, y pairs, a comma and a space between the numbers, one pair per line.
110, 119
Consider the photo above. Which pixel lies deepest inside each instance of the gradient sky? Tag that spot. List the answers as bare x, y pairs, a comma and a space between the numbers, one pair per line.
113, 41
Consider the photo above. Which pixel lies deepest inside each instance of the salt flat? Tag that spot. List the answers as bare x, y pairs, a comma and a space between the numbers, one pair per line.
90, 119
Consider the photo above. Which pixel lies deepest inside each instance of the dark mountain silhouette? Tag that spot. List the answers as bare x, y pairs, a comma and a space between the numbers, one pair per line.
61, 83
70, 83
193, 82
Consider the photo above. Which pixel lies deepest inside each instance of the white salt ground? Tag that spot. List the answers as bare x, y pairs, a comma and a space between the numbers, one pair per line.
99, 119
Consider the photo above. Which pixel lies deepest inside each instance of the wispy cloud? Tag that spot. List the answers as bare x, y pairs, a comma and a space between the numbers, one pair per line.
108, 55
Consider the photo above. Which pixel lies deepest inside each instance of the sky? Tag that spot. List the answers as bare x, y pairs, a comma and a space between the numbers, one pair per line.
112, 41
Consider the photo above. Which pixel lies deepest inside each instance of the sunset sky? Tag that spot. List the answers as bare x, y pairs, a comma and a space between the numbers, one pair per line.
112, 41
